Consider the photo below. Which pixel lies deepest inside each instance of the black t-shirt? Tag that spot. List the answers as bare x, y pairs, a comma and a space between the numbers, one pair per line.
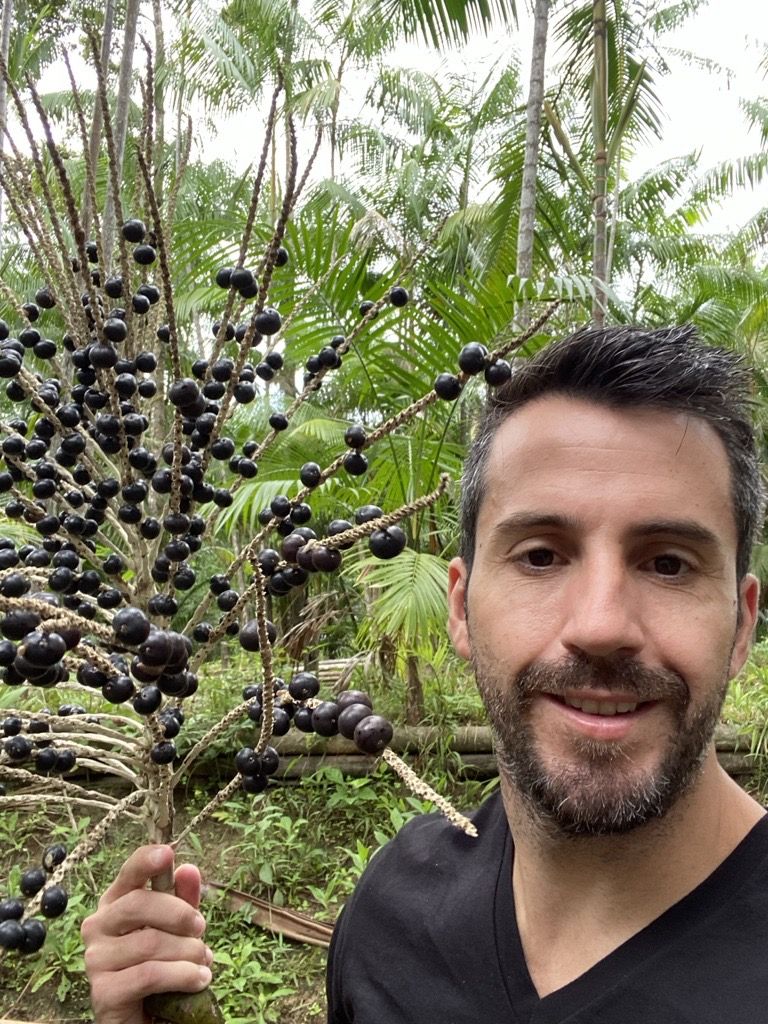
430, 935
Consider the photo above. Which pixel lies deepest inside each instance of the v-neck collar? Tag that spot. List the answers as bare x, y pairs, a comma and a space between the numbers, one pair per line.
671, 926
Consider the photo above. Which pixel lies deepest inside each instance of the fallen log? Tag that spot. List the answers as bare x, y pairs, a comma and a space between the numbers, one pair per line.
289, 923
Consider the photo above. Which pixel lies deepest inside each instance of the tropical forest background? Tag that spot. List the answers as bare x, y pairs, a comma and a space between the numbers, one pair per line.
496, 192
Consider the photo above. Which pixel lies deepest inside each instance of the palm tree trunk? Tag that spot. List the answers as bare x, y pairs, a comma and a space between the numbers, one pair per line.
121, 116
95, 140
414, 694
533, 112
599, 123
157, 14
5, 43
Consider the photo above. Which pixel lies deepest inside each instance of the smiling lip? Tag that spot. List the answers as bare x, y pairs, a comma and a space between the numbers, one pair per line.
607, 727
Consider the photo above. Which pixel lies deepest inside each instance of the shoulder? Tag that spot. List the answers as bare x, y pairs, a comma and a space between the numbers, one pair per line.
427, 854
421, 898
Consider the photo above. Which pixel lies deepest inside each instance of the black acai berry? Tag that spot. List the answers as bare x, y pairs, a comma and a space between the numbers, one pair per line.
498, 373
11, 934
355, 436
278, 421
447, 386
54, 901
355, 463
11, 910
34, 935
398, 296
310, 474
32, 881
366, 513
144, 255
249, 638
387, 543
53, 856
163, 752
131, 626
349, 718
372, 734
304, 686
325, 718
134, 231
268, 321
472, 358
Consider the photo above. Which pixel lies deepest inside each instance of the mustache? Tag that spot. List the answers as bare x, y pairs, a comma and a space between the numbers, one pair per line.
620, 674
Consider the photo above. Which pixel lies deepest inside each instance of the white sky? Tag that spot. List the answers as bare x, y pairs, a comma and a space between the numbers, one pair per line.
701, 109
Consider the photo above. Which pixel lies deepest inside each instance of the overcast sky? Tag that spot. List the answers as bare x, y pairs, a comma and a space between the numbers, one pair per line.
701, 109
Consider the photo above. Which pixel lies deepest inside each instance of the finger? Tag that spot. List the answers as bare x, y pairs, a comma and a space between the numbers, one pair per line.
119, 953
187, 882
111, 991
145, 863
143, 908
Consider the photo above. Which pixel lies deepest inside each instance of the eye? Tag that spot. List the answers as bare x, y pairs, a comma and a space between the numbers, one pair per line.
538, 558
669, 565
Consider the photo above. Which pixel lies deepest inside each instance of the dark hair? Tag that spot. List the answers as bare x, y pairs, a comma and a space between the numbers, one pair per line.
669, 369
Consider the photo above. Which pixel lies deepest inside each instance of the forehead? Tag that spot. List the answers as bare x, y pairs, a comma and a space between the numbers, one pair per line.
574, 456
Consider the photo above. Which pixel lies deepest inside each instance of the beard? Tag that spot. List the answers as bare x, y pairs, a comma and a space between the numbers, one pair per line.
597, 791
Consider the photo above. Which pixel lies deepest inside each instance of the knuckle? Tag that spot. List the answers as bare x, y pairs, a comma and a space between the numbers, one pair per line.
150, 943
87, 929
91, 958
149, 976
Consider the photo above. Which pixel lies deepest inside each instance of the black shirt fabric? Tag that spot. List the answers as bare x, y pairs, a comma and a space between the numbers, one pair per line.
430, 935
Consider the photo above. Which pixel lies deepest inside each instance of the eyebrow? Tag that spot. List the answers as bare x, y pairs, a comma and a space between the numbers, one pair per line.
686, 529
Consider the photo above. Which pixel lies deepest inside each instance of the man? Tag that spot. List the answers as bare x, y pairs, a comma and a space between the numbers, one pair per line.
602, 595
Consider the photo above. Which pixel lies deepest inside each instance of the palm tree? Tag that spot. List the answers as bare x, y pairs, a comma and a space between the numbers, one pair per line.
533, 115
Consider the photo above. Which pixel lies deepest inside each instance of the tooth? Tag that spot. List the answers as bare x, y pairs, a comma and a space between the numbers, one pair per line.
607, 709
621, 708
591, 707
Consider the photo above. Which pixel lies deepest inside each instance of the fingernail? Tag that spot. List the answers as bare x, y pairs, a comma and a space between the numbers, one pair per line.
208, 955
199, 924
158, 857
205, 977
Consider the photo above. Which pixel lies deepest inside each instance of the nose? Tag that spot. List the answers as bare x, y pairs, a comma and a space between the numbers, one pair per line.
602, 613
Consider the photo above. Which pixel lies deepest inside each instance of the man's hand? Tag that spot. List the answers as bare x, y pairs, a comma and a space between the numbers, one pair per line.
140, 942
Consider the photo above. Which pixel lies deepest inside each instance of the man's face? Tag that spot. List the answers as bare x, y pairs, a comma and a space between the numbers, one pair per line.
601, 614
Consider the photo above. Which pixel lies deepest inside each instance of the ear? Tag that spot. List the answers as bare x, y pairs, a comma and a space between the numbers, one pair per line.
458, 581
749, 592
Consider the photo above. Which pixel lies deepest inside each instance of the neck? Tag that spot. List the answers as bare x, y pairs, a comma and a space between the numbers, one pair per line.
577, 899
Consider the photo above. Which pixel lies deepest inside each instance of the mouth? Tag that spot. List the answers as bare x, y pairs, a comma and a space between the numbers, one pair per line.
592, 706
599, 718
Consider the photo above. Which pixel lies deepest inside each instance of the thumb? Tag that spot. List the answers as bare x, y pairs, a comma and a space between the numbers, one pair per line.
187, 883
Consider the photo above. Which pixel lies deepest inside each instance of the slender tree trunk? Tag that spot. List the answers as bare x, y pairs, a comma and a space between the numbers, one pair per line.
614, 219
599, 125
5, 44
414, 694
533, 112
121, 116
94, 143
159, 100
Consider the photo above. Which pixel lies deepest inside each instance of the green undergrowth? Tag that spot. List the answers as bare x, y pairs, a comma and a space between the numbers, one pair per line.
300, 846
746, 708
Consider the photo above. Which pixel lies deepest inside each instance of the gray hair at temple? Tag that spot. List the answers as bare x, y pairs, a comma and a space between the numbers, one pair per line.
669, 369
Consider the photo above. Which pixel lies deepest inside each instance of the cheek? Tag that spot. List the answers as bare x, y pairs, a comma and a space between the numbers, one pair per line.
508, 634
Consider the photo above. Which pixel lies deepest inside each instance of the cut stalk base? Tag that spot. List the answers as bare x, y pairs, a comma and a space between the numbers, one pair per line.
184, 1008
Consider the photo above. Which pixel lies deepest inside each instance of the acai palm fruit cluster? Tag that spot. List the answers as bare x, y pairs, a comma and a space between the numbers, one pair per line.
113, 463
27, 934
